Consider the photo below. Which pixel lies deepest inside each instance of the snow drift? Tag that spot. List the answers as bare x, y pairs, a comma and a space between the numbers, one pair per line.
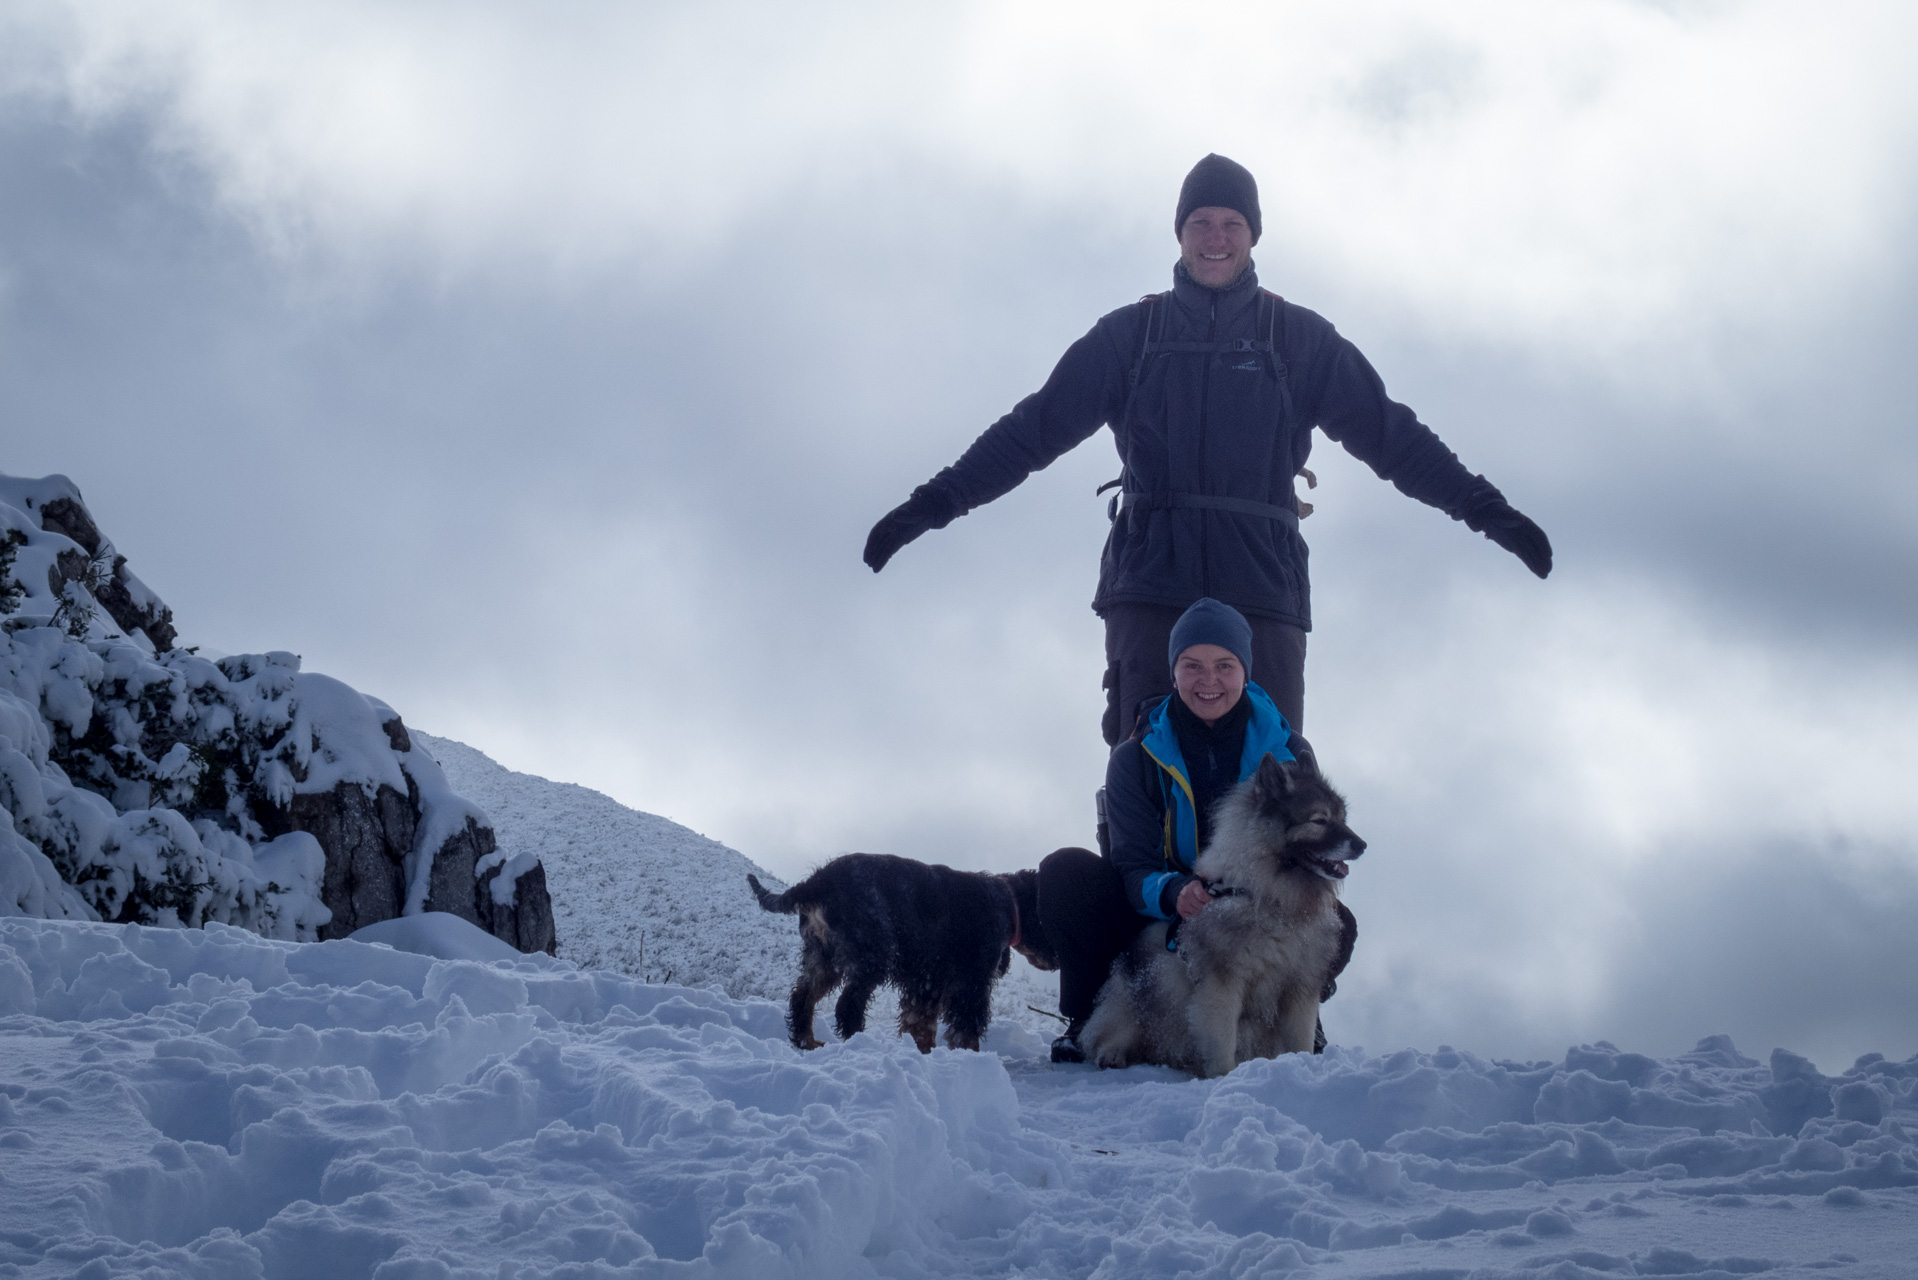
210, 1103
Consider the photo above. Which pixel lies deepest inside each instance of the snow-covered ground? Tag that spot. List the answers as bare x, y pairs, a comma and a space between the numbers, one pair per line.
186, 1102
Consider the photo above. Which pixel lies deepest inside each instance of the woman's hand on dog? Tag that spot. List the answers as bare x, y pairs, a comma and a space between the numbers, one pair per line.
1192, 899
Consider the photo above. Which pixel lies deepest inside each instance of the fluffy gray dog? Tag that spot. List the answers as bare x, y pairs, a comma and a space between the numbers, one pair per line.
1250, 969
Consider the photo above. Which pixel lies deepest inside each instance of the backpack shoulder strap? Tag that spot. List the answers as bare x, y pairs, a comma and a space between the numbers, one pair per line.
1148, 309
1273, 308
1142, 718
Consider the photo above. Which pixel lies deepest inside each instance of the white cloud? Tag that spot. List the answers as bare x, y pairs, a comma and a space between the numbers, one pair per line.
1582, 169
1584, 796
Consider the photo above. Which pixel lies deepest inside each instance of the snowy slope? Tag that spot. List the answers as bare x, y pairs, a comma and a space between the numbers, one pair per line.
632, 892
178, 1102
640, 895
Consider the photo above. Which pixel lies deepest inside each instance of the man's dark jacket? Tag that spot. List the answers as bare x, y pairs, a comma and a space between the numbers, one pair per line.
1212, 396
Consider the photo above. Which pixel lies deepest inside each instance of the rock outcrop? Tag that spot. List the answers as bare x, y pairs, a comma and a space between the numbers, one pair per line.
369, 838
142, 782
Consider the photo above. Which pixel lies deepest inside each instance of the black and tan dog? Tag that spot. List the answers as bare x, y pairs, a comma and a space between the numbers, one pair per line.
942, 937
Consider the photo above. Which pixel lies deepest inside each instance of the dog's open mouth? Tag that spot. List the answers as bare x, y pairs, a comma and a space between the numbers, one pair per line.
1332, 868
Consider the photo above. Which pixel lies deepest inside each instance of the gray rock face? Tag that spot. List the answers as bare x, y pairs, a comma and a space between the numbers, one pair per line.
367, 839
525, 922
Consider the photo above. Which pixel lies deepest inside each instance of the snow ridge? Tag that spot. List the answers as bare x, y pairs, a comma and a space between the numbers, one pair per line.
632, 892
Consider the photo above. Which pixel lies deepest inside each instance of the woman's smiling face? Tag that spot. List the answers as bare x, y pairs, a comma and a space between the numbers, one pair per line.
1209, 680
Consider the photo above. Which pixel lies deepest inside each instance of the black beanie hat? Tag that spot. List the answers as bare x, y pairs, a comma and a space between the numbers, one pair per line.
1209, 621
1218, 182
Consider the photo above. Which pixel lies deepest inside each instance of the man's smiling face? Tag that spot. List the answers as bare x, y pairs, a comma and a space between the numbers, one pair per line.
1216, 245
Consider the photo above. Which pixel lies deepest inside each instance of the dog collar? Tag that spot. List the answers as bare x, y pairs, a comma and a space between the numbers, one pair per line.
1213, 888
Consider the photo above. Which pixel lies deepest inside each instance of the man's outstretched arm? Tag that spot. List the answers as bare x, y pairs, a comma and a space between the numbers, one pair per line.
1086, 390
1345, 397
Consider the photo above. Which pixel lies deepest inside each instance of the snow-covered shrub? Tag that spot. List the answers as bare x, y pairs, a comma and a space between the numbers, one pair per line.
122, 771
146, 783
11, 592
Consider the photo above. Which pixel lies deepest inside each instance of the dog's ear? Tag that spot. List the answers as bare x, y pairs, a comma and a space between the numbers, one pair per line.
1302, 752
1275, 780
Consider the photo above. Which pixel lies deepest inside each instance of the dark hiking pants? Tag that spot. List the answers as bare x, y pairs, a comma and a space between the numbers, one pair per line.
1137, 668
1083, 906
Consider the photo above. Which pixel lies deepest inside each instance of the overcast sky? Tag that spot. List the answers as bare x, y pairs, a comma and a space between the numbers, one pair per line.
540, 370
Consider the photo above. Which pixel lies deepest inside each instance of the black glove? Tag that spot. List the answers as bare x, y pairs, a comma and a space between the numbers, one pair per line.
1490, 514
929, 507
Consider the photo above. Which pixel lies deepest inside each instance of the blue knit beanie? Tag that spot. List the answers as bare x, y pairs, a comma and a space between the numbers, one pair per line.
1210, 622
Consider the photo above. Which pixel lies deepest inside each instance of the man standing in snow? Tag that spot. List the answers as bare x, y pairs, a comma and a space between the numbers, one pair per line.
1212, 390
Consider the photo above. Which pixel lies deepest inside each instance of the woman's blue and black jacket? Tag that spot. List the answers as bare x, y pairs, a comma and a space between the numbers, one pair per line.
1151, 815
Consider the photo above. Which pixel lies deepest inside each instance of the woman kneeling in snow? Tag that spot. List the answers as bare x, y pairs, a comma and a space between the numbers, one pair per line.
1161, 784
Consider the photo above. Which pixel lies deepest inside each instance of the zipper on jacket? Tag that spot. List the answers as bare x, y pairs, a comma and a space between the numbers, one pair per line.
1205, 396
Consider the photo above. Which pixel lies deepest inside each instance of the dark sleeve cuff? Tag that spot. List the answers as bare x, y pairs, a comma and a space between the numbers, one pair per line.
937, 501
1482, 497
1169, 895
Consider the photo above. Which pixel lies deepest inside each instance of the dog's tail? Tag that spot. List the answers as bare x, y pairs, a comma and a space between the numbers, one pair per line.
778, 903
